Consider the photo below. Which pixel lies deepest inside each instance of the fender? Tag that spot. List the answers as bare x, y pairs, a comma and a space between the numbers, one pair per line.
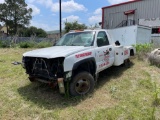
75, 66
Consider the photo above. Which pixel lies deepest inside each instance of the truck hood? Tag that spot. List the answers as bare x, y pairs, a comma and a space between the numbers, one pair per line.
55, 51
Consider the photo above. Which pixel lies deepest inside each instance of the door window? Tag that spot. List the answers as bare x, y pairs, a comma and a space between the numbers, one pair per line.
102, 39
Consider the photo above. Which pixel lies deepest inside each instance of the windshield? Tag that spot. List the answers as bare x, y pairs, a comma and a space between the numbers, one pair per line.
77, 39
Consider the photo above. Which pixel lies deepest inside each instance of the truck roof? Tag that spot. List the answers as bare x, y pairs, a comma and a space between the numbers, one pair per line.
86, 30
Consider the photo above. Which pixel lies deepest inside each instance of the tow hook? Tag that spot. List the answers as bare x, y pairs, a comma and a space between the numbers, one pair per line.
61, 85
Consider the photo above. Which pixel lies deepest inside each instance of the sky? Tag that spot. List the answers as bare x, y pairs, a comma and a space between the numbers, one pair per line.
46, 12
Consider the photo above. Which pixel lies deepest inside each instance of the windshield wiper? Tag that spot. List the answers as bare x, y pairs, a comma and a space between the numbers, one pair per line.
73, 45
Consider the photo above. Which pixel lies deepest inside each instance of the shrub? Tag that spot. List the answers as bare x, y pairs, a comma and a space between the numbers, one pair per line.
26, 44
4, 44
143, 50
32, 44
143, 47
0, 43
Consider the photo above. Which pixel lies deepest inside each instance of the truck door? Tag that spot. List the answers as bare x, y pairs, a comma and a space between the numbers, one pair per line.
104, 52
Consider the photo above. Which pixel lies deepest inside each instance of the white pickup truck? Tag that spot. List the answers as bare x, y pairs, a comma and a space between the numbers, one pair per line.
75, 61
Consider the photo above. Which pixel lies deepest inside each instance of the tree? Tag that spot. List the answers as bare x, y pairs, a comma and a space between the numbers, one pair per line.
32, 31
41, 33
74, 26
94, 26
15, 14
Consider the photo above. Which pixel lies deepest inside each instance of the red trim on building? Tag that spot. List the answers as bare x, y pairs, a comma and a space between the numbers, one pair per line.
129, 12
102, 18
115, 6
121, 3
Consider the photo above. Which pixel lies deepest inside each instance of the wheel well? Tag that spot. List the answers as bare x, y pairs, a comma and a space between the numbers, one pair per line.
88, 66
131, 52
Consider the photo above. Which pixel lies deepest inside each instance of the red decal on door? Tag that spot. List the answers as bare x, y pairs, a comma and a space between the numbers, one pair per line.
83, 55
104, 64
126, 52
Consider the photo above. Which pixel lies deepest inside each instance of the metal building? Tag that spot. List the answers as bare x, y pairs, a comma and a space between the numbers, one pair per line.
143, 12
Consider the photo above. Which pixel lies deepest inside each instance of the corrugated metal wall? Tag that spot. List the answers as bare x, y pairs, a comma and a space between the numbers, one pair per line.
143, 9
155, 38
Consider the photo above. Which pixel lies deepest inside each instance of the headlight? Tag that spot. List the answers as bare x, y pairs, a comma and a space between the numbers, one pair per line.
23, 62
23, 65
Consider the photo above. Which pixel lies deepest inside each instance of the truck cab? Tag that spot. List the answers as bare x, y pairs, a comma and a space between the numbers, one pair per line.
75, 60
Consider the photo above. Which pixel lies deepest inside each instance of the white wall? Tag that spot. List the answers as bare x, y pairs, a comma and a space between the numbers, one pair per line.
156, 39
131, 35
143, 35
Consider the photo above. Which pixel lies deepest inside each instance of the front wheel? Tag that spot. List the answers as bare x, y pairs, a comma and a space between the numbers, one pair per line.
82, 84
32, 79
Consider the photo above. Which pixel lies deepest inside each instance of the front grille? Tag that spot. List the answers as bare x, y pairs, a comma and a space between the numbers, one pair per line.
44, 68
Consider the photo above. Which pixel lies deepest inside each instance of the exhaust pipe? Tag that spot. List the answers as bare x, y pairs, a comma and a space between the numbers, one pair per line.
61, 85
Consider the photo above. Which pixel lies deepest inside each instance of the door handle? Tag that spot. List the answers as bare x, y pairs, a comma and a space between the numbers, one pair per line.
110, 49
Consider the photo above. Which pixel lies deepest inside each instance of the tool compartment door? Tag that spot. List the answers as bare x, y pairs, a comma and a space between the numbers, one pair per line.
119, 55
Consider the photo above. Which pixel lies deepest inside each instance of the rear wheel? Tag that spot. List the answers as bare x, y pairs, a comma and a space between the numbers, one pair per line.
127, 63
82, 84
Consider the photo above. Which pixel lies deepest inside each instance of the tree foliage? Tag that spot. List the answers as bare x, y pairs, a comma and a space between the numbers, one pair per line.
15, 14
32, 31
74, 26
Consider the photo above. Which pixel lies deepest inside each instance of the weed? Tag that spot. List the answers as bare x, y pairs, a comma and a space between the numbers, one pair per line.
153, 114
143, 47
142, 50
156, 93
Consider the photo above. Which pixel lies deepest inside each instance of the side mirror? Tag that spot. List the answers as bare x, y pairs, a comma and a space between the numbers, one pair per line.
117, 43
54, 43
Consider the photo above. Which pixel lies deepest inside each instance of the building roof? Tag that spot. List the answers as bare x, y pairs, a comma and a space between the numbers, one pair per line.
131, 1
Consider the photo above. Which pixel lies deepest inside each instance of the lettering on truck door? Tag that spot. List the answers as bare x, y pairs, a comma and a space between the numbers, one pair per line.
104, 51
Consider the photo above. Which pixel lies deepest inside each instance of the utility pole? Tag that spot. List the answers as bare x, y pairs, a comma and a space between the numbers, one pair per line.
60, 18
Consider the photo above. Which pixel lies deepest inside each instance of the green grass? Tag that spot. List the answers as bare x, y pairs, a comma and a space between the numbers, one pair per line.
121, 93
143, 49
